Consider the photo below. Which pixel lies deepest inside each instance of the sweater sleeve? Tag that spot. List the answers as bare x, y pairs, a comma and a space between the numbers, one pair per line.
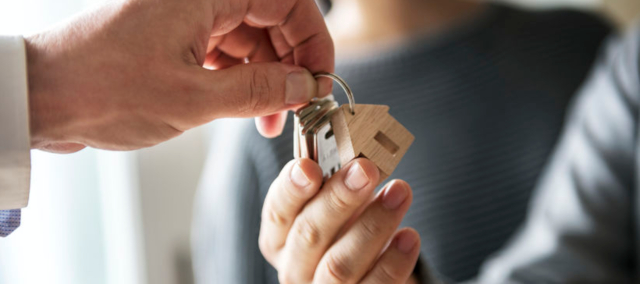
579, 227
15, 166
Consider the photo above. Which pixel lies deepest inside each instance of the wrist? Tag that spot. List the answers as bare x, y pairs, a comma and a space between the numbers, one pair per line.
69, 71
34, 53
47, 111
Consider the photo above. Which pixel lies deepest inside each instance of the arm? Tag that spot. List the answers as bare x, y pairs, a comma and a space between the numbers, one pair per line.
580, 224
134, 73
131, 74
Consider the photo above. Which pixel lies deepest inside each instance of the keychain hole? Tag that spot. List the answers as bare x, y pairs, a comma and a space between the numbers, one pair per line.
386, 143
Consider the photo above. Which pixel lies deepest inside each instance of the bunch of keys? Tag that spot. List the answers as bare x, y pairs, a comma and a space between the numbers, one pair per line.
333, 135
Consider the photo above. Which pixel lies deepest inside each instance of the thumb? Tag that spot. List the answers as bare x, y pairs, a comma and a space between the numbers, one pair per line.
259, 89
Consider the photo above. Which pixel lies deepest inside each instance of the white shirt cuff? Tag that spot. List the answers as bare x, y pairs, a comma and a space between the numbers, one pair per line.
15, 160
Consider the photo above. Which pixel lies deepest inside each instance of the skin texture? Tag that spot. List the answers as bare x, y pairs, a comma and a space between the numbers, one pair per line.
132, 74
338, 232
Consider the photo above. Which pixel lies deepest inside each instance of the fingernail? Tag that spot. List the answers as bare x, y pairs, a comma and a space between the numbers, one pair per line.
394, 195
406, 242
356, 177
300, 88
298, 177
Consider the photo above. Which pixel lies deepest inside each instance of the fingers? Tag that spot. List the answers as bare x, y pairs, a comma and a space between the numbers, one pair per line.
317, 225
300, 22
250, 90
248, 42
272, 125
217, 60
280, 45
349, 259
303, 29
253, 44
296, 184
296, 29
397, 263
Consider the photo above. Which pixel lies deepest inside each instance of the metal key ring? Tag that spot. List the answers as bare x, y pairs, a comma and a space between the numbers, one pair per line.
345, 87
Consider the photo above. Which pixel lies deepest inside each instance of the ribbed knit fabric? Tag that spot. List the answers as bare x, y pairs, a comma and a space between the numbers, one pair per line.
485, 102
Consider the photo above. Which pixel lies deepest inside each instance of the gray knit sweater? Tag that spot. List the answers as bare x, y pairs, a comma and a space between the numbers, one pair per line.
485, 102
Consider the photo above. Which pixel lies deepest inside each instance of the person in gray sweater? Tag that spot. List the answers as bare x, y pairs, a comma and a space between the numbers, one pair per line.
483, 89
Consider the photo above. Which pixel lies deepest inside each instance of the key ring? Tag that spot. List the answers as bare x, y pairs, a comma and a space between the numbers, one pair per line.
345, 87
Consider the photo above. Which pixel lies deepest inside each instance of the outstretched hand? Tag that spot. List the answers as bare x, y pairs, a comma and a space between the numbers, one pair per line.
337, 232
132, 74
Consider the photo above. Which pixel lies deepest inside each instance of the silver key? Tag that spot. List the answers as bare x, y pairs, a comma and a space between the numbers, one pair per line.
313, 134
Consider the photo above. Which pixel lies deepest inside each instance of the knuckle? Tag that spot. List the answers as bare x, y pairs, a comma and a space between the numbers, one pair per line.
293, 196
370, 228
259, 91
338, 269
336, 204
277, 218
308, 233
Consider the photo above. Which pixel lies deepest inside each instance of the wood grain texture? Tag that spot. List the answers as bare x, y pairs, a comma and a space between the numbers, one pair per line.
371, 133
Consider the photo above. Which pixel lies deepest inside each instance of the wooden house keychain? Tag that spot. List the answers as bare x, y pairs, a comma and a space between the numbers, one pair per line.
333, 135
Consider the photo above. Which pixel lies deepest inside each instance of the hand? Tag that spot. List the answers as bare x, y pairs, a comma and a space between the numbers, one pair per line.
337, 234
131, 73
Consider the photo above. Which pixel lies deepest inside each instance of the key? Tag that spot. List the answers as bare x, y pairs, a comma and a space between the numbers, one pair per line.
313, 135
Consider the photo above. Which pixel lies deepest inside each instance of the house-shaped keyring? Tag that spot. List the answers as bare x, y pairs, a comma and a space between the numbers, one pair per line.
371, 132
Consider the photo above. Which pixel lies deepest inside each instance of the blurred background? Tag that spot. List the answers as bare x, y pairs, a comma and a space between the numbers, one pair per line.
111, 217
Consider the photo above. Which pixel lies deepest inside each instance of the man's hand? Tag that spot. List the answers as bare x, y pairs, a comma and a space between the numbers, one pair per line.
340, 233
131, 74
